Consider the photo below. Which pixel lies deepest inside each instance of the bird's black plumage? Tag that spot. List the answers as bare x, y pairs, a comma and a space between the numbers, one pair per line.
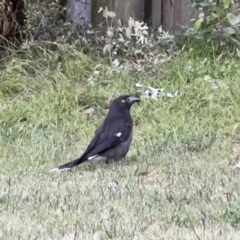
113, 138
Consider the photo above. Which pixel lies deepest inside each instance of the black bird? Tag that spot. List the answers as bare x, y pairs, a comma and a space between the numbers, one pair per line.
113, 138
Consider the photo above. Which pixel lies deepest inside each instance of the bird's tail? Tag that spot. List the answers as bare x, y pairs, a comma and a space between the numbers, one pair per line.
70, 165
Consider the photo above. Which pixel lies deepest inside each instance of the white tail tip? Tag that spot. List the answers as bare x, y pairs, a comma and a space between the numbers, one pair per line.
59, 170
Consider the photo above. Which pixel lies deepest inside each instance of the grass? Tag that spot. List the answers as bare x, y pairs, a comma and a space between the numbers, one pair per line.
175, 183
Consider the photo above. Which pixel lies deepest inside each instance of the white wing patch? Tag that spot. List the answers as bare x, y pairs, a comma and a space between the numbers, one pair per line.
92, 157
119, 134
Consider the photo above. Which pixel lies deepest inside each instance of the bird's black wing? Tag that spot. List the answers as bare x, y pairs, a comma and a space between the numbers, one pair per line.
109, 135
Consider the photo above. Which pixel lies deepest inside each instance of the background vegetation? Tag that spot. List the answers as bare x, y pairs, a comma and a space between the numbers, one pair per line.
176, 182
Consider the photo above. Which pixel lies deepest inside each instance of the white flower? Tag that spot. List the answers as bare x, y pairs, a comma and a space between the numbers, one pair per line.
207, 78
201, 16
116, 63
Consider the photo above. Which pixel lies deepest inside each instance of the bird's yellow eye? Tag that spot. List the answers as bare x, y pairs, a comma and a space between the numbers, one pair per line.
123, 101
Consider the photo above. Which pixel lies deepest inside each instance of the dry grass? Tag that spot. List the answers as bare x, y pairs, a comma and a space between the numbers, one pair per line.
189, 197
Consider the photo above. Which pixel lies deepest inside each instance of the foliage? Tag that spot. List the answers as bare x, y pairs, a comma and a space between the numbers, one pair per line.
47, 24
136, 39
219, 20
44, 20
11, 18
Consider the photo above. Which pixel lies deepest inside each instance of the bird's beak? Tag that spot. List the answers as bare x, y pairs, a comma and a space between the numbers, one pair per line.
132, 100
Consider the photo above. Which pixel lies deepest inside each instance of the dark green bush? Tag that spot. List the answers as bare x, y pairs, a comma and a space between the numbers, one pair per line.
219, 20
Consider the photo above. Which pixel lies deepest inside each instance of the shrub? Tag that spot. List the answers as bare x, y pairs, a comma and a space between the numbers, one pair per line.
219, 20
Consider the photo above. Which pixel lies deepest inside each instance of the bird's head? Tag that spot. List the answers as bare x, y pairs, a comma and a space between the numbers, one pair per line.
125, 101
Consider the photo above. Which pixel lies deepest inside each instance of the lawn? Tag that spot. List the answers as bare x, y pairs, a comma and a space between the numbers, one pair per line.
176, 182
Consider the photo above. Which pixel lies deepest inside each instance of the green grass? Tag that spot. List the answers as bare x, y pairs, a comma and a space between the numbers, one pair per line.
175, 183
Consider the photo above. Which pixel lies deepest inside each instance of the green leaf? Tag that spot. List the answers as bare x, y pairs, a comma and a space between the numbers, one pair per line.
198, 24
189, 32
215, 15
234, 20
238, 19
210, 28
226, 3
220, 11
223, 68
202, 4
229, 30
200, 36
